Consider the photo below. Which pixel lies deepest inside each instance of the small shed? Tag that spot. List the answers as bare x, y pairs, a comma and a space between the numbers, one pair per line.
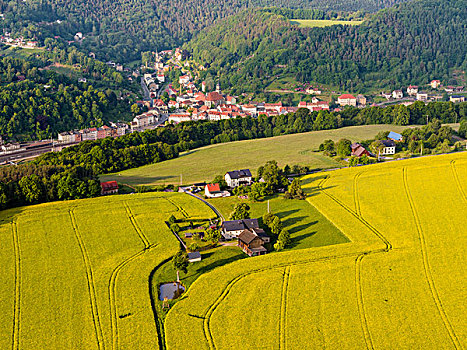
194, 257
188, 235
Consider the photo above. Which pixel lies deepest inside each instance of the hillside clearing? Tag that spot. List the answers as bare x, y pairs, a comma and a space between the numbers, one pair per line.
307, 226
310, 23
205, 163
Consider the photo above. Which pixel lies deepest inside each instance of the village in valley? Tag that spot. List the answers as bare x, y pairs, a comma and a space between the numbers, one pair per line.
188, 98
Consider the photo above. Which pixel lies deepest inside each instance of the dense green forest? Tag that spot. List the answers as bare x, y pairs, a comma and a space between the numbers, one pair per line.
121, 30
37, 103
410, 43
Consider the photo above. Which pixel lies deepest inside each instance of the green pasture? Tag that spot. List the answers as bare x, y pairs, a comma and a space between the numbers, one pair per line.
307, 226
310, 23
205, 163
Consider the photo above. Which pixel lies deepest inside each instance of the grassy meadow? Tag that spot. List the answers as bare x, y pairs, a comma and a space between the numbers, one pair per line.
310, 23
205, 163
75, 274
399, 283
307, 226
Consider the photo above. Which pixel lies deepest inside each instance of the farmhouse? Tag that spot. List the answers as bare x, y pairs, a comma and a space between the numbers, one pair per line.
412, 90
231, 229
194, 257
214, 191
422, 96
358, 150
389, 147
109, 187
396, 94
251, 244
347, 100
238, 177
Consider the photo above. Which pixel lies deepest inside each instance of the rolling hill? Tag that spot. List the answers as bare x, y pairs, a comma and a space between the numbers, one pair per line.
121, 30
410, 43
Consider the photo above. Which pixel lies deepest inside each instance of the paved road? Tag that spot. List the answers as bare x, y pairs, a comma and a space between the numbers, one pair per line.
218, 213
146, 93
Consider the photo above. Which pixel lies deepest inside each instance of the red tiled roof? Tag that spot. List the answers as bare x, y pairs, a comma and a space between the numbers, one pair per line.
347, 96
213, 187
109, 185
214, 96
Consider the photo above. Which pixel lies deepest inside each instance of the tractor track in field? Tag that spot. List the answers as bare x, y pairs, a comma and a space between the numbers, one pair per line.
180, 209
116, 271
458, 182
361, 303
358, 261
226, 291
283, 315
427, 267
355, 194
113, 293
17, 299
138, 230
91, 283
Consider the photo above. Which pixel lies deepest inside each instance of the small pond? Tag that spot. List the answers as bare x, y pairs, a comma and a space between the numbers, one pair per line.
171, 290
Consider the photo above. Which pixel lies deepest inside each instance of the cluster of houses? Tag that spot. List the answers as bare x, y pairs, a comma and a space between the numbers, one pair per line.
351, 100
388, 146
114, 130
18, 42
414, 92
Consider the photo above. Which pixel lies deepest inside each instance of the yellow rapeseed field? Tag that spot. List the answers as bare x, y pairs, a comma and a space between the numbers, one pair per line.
75, 274
399, 283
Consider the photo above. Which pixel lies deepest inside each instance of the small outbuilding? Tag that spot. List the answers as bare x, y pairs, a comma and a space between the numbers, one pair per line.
194, 257
394, 136
251, 244
109, 187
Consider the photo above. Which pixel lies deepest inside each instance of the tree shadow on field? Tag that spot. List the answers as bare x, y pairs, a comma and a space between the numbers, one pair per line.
302, 227
292, 221
296, 240
283, 214
216, 263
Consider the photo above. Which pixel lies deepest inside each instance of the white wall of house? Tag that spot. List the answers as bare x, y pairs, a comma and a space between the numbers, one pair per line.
389, 150
235, 182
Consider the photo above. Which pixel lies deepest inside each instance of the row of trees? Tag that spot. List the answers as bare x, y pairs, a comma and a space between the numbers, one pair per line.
276, 228
31, 184
111, 155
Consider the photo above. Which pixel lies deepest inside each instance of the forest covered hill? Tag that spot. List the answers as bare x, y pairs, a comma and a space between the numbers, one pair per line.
120, 30
37, 103
410, 43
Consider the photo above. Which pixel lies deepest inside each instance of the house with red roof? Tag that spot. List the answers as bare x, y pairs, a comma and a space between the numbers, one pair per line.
109, 187
214, 99
214, 191
347, 100
358, 150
